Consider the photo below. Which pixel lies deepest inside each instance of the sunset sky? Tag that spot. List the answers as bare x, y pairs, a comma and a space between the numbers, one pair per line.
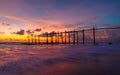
19, 16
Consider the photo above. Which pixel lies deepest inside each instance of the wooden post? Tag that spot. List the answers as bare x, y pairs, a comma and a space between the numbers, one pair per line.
77, 37
94, 40
69, 37
47, 38
65, 37
74, 37
62, 36
51, 38
38, 39
58, 37
83, 37
32, 38
28, 39
35, 39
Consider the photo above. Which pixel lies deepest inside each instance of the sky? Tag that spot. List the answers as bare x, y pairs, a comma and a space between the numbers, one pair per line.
19, 16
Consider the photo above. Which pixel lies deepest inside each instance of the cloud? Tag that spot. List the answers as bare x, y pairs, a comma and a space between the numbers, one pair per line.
2, 32
29, 20
60, 27
21, 32
30, 32
5, 24
53, 33
51, 15
38, 29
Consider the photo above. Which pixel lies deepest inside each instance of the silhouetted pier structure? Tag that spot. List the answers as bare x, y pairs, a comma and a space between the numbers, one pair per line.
67, 37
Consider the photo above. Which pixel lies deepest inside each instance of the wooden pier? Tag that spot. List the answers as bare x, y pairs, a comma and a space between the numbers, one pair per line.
66, 37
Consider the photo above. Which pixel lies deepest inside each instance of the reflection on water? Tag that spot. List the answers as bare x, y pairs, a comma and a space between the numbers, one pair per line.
59, 60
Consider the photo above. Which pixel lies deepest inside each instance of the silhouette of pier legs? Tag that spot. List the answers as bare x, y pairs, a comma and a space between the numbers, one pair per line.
83, 38
94, 40
62, 37
58, 38
67, 37
47, 38
74, 37
38, 39
28, 39
77, 37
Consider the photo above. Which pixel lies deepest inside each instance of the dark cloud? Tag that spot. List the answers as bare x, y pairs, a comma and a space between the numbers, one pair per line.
45, 34
21, 32
53, 33
29, 32
38, 29
5, 24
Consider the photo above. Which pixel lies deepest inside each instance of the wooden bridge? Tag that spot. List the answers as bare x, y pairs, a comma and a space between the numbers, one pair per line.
67, 37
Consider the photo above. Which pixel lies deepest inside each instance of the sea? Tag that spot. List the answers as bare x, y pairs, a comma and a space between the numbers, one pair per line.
60, 59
